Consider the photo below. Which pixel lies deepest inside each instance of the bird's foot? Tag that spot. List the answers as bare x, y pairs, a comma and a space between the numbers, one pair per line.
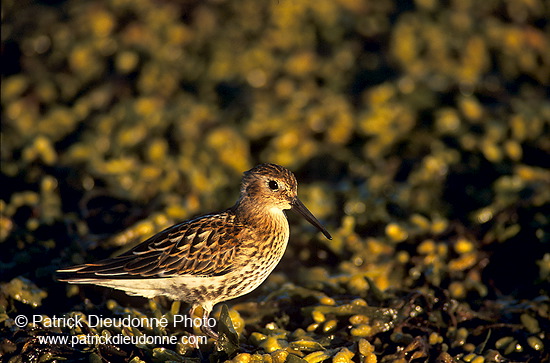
208, 331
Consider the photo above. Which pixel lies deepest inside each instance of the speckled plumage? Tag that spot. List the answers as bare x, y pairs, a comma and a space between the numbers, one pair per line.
212, 258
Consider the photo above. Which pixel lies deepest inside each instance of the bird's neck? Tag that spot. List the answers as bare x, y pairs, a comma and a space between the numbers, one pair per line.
260, 216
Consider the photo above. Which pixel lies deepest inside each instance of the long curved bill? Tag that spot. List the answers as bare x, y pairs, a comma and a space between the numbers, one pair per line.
301, 208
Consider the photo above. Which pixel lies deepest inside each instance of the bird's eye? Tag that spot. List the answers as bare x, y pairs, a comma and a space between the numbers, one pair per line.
273, 185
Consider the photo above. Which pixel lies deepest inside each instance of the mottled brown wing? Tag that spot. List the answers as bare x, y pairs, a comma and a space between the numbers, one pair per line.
205, 246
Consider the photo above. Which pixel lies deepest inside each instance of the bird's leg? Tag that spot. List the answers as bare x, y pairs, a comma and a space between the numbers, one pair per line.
205, 328
192, 310
204, 324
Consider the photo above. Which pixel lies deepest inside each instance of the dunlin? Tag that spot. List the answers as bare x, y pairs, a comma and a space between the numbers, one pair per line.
212, 258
